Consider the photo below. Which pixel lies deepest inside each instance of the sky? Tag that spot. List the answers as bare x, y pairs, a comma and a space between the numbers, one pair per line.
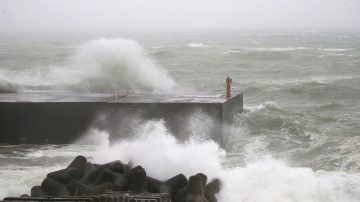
317, 15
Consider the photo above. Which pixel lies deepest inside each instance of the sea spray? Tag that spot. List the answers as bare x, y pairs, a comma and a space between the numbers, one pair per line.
100, 65
112, 64
161, 154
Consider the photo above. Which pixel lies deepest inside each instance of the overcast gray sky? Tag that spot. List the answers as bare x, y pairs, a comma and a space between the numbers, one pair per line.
36, 15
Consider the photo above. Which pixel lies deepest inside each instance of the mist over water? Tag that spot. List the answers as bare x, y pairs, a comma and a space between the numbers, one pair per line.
298, 139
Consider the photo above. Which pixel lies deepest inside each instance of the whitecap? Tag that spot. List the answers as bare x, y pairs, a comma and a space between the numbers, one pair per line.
335, 49
198, 45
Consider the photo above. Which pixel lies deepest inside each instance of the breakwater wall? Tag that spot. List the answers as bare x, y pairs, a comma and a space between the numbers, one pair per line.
60, 118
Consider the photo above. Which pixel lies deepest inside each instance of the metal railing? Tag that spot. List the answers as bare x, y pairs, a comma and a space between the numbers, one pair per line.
109, 196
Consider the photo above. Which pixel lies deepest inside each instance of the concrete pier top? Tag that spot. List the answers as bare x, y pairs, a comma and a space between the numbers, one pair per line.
43, 97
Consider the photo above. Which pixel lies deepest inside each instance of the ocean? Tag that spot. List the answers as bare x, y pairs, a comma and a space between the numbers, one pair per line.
297, 140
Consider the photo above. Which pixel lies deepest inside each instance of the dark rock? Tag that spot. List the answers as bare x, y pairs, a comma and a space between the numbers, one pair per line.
121, 183
105, 175
79, 189
138, 181
82, 178
153, 184
64, 176
119, 167
173, 184
54, 188
78, 162
87, 168
211, 189
180, 195
203, 179
89, 177
37, 191
194, 190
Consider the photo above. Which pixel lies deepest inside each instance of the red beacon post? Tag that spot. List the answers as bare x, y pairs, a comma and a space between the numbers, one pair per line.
228, 87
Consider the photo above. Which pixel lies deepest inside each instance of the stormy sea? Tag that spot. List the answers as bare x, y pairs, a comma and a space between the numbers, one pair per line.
297, 140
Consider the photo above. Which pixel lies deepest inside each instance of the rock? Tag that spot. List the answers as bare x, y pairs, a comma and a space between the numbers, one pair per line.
37, 191
211, 189
79, 189
105, 175
121, 183
82, 178
119, 167
89, 177
194, 190
138, 181
54, 188
64, 176
173, 185
153, 184
78, 163
203, 179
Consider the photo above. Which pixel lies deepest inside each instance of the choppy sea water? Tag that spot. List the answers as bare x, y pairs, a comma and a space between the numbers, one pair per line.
298, 140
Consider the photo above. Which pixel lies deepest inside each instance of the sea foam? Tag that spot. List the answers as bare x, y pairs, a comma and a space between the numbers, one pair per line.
198, 45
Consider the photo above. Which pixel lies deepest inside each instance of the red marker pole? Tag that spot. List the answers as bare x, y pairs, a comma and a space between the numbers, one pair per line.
228, 87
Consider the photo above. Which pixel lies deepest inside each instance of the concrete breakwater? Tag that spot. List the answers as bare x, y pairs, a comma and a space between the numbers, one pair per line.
61, 118
82, 178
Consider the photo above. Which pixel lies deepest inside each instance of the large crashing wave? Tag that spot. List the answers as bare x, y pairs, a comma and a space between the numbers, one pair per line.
102, 65
112, 64
262, 179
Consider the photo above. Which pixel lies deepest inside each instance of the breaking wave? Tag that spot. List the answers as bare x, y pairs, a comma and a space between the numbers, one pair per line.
102, 65
198, 45
335, 49
112, 64
232, 52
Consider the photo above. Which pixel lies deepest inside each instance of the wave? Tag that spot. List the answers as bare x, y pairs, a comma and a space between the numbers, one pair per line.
266, 177
335, 49
112, 64
101, 65
263, 50
198, 45
273, 180
341, 54
232, 52
266, 105
276, 49
153, 147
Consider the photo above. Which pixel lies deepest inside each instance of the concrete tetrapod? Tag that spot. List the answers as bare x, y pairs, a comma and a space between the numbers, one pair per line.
83, 178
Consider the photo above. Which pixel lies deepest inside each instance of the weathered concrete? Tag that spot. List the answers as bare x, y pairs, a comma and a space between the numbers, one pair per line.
59, 118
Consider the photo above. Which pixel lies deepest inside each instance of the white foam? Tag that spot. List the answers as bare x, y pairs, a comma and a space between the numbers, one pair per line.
259, 107
274, 181
198, 45
335, 49
162, 155
231, 52
277, 49
16, 180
